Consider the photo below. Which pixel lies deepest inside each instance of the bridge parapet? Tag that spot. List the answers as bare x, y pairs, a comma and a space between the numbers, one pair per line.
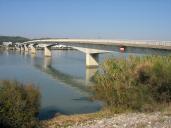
134, 43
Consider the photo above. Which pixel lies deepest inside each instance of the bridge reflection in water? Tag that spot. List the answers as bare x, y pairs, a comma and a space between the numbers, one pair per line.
45, 65
78, 84
62, 80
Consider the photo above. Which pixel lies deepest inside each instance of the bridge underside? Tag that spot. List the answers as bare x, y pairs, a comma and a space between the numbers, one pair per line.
92, 55
92, 51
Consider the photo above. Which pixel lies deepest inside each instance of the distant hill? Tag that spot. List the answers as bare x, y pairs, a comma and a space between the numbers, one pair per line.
12, 39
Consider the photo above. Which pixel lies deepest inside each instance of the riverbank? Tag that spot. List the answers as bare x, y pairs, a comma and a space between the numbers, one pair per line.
107, 120
131, 120
138, 88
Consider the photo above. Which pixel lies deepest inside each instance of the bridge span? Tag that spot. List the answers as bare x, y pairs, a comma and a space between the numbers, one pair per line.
93, 47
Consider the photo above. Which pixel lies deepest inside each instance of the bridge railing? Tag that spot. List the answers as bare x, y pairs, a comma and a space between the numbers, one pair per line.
156, 43
96, 41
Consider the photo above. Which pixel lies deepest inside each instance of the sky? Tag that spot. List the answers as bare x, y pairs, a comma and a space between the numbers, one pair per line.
97, 19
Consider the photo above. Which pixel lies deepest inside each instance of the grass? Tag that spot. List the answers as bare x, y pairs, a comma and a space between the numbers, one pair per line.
134, 84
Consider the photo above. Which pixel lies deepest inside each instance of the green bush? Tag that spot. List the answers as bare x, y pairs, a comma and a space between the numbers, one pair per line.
19, 105
134, 83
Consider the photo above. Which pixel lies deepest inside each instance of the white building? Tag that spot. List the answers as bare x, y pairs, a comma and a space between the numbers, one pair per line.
7, 43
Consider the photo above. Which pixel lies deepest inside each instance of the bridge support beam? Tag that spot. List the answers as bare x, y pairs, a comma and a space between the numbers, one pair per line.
33, 49
47, 52
26, 48
90, 72
92, 60
21, 48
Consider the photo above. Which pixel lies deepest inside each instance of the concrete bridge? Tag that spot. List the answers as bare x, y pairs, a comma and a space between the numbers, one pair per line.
93, 47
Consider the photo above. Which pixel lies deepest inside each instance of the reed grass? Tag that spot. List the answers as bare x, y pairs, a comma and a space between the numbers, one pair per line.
136, 83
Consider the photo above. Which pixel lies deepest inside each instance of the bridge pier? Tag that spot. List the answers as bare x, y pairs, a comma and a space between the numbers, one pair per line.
92, 60
47, 52
90, 72
21, 48
17, 48
33, 49
26, 48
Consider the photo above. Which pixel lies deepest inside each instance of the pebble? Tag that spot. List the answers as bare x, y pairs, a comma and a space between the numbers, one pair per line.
130, 120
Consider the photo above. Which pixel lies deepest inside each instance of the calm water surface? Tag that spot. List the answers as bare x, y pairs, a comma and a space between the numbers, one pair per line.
63, 79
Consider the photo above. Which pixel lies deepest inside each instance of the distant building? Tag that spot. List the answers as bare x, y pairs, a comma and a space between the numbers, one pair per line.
17, 44
7, 43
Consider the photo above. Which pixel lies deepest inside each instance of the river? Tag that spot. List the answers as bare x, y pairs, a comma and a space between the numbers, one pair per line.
63, 79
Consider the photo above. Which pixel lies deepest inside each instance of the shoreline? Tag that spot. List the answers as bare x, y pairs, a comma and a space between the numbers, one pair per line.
106, 118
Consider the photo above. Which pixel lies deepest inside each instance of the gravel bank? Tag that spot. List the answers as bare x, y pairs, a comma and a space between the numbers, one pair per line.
130, 120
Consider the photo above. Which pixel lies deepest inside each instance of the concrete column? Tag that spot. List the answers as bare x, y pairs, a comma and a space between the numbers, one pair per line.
17, 48
21, 48
90, 72
25, 48
47, 52
92, 60
33, 49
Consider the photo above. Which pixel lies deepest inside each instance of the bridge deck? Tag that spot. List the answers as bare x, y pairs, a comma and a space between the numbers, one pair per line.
132, 43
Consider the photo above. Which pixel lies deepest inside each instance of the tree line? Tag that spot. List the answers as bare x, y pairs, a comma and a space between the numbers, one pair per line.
12, 39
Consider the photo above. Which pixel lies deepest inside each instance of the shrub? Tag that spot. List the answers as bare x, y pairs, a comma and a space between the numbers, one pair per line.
19, 105
135, 83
